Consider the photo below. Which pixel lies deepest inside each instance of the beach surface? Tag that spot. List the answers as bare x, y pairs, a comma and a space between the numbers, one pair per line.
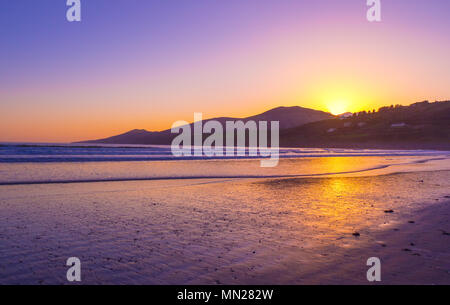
233, 230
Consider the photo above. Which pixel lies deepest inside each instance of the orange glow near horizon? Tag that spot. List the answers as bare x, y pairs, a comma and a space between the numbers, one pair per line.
236, 60
89, 126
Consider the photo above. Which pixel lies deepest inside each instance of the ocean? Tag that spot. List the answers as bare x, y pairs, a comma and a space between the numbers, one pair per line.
136, 215
27, 163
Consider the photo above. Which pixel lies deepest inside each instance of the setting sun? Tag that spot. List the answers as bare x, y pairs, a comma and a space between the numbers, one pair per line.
338, 107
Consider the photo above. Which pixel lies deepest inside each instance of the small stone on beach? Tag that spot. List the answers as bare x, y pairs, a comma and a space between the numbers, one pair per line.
445, 233
356, 234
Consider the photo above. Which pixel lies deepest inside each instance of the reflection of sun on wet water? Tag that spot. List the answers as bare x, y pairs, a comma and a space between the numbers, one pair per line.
328, 201
188, 232
336, 165
329, 206
342, 200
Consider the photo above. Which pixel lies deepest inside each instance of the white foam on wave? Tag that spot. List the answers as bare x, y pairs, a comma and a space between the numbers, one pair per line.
109, 153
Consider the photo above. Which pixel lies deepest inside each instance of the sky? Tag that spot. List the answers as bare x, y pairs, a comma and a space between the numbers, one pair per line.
147, 63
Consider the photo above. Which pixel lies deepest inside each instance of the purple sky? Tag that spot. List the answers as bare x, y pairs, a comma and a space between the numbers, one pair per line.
145, 64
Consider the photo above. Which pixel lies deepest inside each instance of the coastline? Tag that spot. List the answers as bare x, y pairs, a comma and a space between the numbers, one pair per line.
229, 231
440, 146
413, 251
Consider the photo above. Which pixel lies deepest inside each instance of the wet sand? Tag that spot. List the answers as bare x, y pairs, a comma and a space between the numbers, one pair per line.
229, 231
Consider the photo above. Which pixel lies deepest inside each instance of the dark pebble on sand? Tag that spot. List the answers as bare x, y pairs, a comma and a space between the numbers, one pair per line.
412, 244
411, 221
356, 234
406, 250
446, 196
389, 211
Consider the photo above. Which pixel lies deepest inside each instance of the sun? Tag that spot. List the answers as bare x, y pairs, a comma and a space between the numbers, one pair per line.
337, 107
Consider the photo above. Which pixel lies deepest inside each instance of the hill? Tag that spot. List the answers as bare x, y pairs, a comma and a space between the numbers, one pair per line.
289, 117
421, 125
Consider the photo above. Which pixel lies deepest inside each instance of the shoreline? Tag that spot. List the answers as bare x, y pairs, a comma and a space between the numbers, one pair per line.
253, 231
413, 251
444, 147
433, 164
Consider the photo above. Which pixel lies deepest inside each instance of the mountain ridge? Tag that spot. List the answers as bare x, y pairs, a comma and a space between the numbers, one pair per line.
421, 125
289, 117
